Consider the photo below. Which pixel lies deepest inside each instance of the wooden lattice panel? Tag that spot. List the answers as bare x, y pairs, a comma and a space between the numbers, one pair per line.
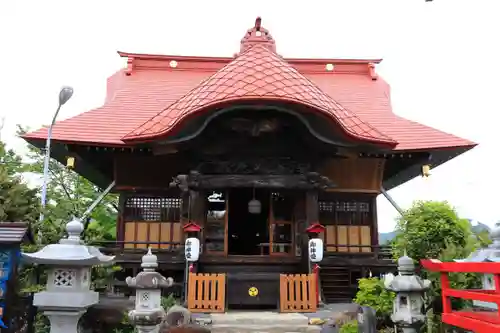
152, 222
348, 223
141, 235
157, 209
298, 293
357, 238
206, 292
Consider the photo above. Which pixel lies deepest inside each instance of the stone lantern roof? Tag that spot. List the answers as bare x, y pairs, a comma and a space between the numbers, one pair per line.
406, 280
149, 278
70, 251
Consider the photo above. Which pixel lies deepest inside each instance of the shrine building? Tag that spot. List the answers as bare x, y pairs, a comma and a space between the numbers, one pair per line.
253, 149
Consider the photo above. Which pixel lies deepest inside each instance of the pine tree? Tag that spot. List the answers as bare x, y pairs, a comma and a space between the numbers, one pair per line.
18, 202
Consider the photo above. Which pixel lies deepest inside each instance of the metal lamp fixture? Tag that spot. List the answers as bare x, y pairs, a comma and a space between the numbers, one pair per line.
254, 205
64, 95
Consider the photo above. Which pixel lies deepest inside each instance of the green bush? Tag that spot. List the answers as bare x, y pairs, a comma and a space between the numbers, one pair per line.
350, 327
428, 228
168, 302
372, 293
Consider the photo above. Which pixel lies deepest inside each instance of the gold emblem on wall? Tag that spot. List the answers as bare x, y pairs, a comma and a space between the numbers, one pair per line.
252, 291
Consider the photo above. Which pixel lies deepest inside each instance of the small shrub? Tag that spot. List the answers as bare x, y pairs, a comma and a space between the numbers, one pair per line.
372, 293
168, 302
350, 327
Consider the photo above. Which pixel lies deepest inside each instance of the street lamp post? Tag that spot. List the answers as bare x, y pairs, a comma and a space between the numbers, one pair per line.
64, 95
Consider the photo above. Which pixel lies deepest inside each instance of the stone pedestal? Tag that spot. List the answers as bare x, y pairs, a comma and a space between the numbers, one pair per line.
64, 321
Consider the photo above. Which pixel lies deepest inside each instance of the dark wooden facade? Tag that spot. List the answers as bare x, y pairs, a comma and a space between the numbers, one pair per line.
297, 179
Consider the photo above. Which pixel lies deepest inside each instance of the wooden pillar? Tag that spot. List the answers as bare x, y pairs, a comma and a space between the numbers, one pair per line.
374, 224
185, 214
312, 207
312, 216
120, 223
198, 207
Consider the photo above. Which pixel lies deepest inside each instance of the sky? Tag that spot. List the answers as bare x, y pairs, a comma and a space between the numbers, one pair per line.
440, 58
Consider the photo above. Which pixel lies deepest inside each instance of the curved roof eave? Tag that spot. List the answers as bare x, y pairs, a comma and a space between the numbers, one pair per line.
258, 73
179, 121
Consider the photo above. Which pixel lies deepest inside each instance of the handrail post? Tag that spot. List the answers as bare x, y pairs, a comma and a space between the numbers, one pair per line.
316, 276
445, 286
496, 279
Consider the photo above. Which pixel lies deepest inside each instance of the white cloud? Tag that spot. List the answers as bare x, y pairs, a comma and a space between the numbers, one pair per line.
440, 59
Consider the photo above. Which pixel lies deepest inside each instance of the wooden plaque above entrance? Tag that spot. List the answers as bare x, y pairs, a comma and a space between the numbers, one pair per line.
195, 180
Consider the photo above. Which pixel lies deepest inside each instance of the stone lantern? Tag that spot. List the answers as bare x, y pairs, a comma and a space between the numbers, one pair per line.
68, 293
488, 254
409, 289
148, 313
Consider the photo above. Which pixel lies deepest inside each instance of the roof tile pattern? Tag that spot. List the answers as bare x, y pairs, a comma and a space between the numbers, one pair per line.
12, 232
257, 74
134, 103
136, 98
130, 101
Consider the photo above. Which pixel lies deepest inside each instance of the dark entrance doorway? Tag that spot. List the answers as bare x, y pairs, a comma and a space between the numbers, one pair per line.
248, 233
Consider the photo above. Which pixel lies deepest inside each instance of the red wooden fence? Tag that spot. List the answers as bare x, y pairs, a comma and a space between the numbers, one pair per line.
476, 321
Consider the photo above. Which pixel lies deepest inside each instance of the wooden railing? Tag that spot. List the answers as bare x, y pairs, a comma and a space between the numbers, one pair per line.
382, 252
476, 321
116, 247
206, 292
298, 293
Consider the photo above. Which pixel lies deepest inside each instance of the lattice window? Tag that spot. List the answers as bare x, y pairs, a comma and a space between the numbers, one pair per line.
345, 212
145, 297
157, 209
326, 206
363, 207
64, 278
343, 206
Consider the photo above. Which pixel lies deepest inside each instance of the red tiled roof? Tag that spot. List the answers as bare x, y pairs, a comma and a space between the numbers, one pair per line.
150, 97
257, 74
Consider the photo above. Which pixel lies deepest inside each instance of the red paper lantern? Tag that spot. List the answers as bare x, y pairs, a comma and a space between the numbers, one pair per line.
191, 227
315, 228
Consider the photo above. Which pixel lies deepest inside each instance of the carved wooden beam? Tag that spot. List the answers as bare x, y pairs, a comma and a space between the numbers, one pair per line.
195, 181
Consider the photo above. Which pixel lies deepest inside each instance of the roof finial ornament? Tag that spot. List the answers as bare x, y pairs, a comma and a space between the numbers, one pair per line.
258, 22
257, 36
74, 229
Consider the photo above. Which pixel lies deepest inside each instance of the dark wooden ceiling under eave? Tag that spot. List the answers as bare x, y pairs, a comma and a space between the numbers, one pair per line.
99, 172
398, 172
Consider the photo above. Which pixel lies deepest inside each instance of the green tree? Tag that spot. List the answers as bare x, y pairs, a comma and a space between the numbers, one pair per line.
68, 195
11, 162
18, 202
428, 228
433, 230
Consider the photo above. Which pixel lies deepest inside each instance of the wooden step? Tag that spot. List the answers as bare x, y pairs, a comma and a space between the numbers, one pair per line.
337, 298
337, 286
338, 292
